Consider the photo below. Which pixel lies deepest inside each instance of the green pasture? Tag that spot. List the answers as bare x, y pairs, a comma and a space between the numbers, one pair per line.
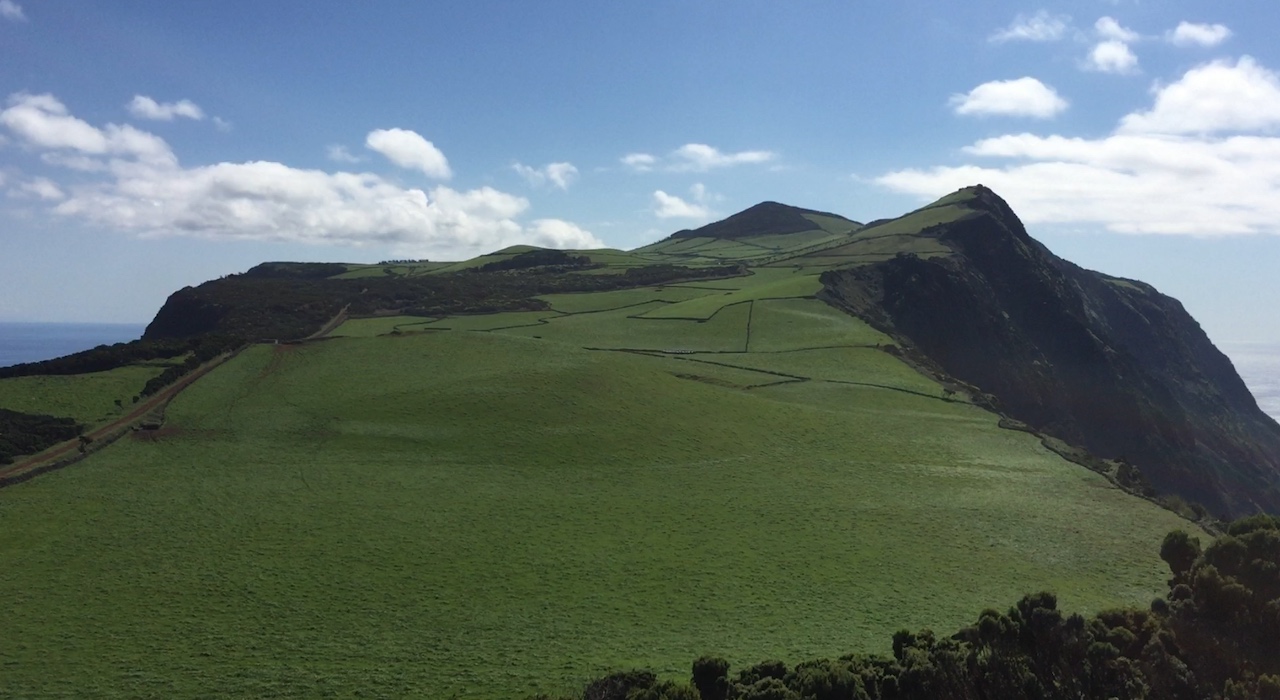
621, 298
489, 514
704, 307
627, 328
88, 398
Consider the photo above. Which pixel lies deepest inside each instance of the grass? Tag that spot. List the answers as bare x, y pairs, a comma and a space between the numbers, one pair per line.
622, 329
492, 509
795, 324
88, 398
708, 305
486, 515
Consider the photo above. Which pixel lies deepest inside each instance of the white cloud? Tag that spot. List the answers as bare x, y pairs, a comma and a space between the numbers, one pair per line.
700, 157
1190, 34
554, 233
1041, 26
641, 162
134, 190
669, 206
408, 149
560, 175
221, 124
1214, 97
339, 154
43, 122
144, 107
1109, 29
1023, 97
43, 188
1112, 57
695, 157
1166, 170
12, 11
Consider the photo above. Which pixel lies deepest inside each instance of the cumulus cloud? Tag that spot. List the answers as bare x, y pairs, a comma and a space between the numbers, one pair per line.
136, 184
409, 150
669, 206
560, 175
1112, 57
1042, 26
695, 157
1023, 97
1216, 97
11, 10
1190, 34
44, 122
144, 107
339, 154
1160, 171
555, 233
1108, 28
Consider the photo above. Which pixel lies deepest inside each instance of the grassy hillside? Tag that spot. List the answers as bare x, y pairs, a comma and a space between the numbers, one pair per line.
491, 509
89, 398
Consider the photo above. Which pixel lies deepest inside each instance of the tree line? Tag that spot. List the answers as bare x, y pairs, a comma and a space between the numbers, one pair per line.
1215, 635
27, 433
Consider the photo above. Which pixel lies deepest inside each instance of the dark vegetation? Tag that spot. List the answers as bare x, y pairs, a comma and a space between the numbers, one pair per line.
107, 357
765, 218
102, 358
1108, 364
274, 304
27, 433
1216, 634
541, 257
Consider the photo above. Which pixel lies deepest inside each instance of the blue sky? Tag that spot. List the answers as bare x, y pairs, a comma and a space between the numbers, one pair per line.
145, 146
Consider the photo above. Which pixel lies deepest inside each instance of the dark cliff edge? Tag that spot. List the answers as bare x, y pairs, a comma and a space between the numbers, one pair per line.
1105, 363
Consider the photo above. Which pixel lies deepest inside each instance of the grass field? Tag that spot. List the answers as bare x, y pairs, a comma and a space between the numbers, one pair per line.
496, 510
89, 398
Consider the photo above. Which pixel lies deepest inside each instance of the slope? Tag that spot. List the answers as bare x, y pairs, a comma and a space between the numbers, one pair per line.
1102, 362
492, 513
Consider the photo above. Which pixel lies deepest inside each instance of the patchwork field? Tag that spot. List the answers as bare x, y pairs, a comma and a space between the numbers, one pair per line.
513, 503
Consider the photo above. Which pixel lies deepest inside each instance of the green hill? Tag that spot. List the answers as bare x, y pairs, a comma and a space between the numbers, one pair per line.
627, 462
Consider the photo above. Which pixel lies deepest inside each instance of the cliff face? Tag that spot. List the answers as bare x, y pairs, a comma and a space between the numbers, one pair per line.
1106, 363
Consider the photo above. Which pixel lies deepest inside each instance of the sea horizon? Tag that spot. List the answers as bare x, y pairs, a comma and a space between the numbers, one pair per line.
33, 341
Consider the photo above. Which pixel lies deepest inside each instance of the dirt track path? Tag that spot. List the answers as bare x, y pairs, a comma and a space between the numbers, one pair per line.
106, 434
67, 453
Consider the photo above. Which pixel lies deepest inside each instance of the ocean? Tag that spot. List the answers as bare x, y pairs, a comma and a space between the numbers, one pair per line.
32, 342
1258, 364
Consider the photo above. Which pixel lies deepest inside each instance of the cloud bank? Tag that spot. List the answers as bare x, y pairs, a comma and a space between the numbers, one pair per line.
1201, 161
123, 178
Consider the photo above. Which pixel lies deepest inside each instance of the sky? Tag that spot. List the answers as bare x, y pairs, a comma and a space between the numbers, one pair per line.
150, 145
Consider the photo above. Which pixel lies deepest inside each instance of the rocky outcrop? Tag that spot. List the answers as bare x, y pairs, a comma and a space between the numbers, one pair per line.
1106, 363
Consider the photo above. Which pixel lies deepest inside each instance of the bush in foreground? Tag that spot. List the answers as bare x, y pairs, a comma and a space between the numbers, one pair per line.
1216, 634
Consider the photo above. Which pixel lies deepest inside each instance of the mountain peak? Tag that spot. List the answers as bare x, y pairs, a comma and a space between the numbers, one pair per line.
763, 219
